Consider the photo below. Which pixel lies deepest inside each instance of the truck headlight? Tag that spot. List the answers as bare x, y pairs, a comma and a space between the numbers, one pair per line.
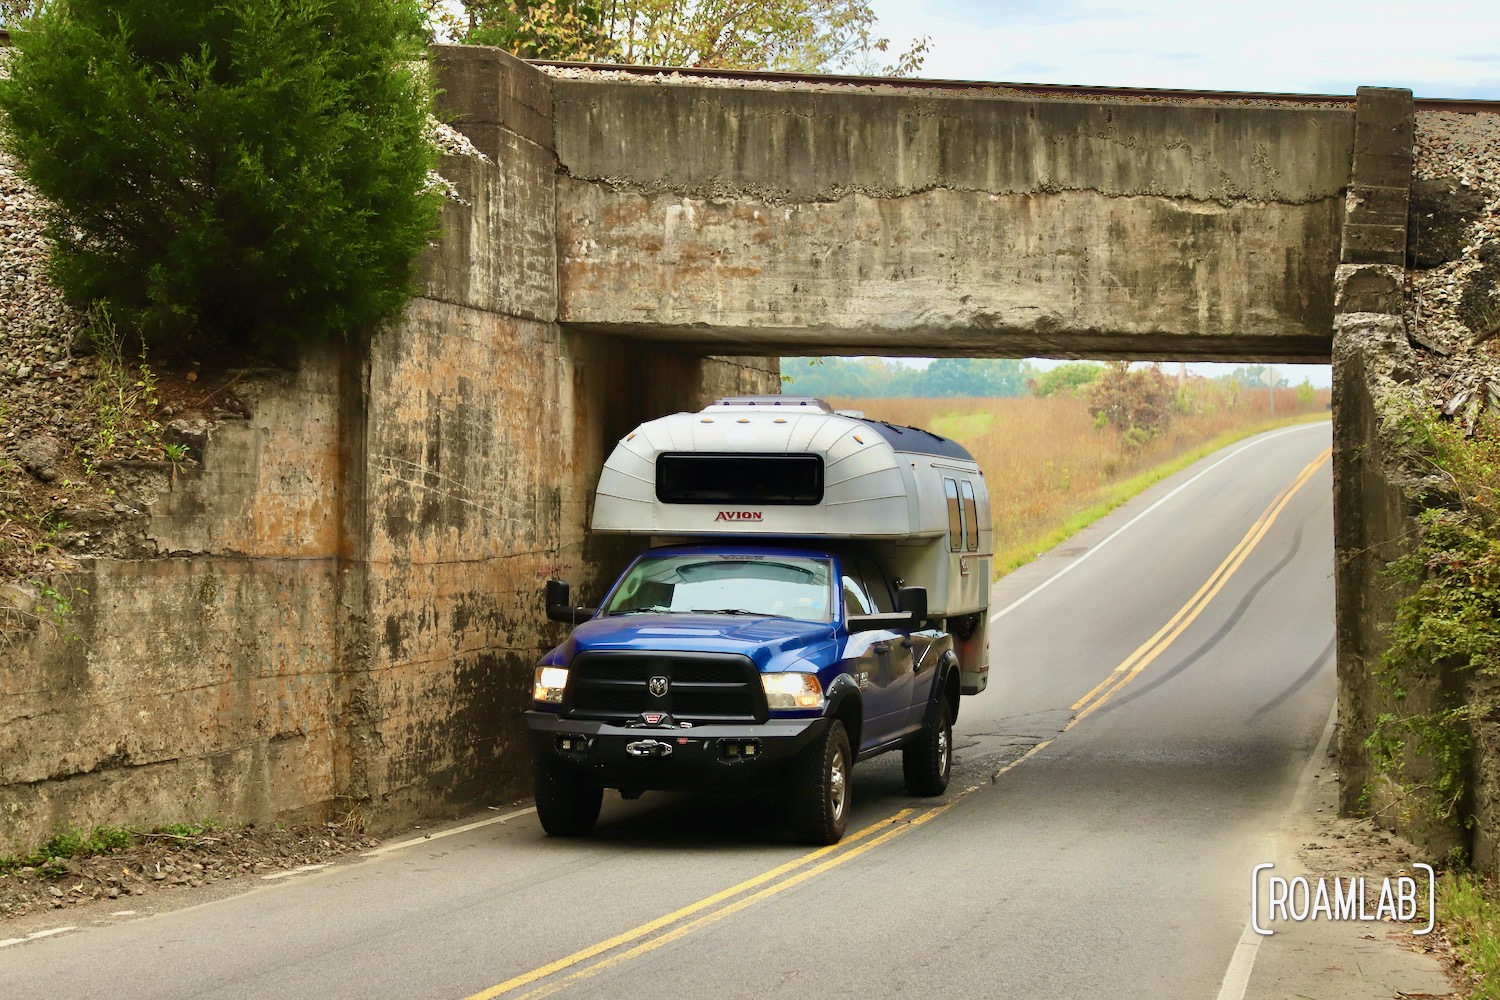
550, 682
793, 690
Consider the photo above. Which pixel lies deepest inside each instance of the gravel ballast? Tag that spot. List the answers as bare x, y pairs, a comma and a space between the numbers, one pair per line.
1458, 365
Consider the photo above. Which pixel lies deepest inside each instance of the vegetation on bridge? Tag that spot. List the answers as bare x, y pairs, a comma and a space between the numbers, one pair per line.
797, 35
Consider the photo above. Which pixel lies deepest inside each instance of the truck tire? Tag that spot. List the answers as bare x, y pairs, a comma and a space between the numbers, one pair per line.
821, 786
566, 803
927, 761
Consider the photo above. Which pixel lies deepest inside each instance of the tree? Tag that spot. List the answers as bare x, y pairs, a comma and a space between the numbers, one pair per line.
1254, 377
974, 377
1136, 402
252, 171
876, 378
13, 12
1070, 379
792, 35
868, 378
543, 29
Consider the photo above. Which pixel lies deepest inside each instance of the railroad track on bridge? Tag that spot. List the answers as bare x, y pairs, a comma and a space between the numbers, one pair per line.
1058, 91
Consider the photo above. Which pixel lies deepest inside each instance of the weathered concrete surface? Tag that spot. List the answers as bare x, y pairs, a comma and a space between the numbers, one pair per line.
1374, 477
201, 682
340, 611
866, 221
1371, 512
1483, 694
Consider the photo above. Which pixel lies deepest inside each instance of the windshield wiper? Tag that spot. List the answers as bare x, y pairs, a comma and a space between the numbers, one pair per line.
654, 610
736, 611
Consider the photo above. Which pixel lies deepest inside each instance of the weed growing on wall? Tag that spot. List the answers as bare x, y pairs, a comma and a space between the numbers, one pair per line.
250, 172
122, 397
1449, 622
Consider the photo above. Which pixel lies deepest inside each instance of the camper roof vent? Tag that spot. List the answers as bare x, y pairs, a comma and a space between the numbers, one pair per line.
769, 403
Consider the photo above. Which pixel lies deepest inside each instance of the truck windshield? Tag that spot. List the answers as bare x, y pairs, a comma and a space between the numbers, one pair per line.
774, 586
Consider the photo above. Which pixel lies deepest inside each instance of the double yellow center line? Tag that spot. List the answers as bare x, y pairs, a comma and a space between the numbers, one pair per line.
1178, 623
666, 929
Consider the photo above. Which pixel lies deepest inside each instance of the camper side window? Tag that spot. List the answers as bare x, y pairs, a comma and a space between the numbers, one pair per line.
971, 517
955, 516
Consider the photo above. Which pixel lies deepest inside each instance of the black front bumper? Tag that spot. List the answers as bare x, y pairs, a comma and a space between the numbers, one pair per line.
673, 758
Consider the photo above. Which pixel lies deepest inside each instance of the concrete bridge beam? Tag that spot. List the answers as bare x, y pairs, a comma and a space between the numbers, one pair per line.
845, 221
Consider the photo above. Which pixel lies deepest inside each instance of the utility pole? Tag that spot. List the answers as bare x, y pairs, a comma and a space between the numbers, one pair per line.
1271, 378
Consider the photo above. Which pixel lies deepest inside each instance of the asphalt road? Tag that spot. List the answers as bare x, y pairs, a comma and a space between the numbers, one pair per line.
1159, 683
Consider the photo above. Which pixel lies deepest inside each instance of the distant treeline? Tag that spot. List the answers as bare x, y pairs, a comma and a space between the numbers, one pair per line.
989, 378
880, 378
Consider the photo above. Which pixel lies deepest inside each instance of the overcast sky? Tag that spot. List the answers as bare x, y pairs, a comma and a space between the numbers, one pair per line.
1448, 48
1442, 49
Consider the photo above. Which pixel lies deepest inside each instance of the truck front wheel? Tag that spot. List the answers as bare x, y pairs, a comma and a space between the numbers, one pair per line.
821, 787
927, 761
567, 805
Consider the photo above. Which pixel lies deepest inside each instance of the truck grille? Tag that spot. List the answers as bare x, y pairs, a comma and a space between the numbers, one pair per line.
701, 687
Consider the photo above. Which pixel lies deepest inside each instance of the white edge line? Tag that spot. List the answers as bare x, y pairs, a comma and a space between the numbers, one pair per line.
416, 841
36, 936
1237, 976
1242, 963
1128, 524
49, 933
299, 870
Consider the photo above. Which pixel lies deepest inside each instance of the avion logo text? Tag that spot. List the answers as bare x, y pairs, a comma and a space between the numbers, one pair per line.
740, 515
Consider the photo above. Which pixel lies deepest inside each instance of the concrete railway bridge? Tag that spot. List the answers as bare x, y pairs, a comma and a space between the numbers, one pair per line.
341, 606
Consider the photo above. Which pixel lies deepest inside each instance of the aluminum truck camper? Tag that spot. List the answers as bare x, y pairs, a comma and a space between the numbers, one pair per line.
815, 593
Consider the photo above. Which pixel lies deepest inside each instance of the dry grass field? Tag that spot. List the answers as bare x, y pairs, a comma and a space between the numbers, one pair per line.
1051, 471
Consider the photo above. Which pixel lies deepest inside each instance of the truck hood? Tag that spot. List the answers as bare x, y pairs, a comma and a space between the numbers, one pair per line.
770, 643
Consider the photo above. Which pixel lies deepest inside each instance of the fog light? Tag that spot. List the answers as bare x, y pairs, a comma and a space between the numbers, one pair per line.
572, 744
739, 749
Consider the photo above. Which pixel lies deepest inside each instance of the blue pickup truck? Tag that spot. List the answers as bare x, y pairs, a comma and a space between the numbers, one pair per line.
761, 643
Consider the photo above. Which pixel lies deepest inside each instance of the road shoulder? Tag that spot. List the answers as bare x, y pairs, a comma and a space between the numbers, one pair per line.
1342, 959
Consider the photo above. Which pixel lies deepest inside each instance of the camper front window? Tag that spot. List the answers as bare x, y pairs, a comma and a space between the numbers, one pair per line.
727, 584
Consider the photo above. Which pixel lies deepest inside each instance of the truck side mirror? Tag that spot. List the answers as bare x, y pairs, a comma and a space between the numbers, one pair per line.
913, 600
560, 608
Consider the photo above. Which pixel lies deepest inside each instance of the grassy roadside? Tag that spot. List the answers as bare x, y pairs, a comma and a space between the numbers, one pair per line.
1100, 502
1469, 913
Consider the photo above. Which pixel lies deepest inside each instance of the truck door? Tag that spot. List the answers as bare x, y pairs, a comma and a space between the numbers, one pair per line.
868, 655
910, 681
